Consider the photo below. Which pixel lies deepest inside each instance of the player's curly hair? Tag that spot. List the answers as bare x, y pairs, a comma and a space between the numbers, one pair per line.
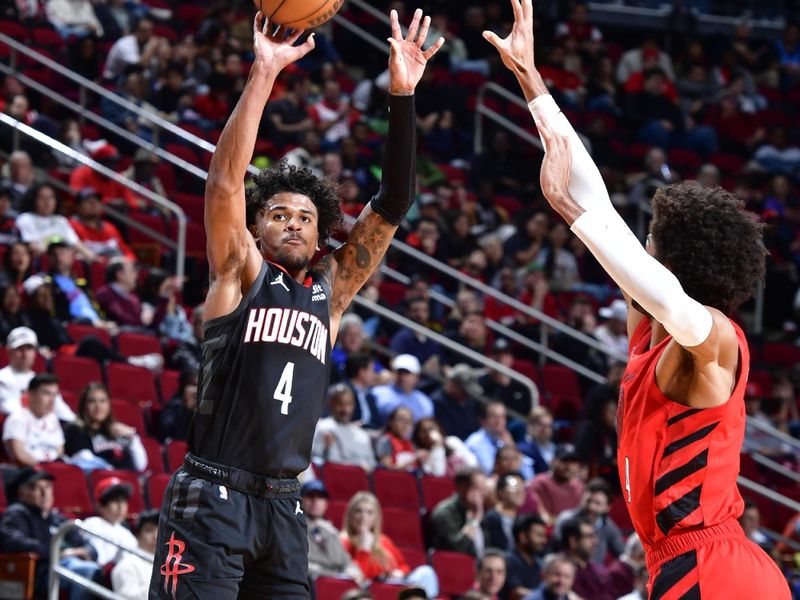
284, 177
713, 246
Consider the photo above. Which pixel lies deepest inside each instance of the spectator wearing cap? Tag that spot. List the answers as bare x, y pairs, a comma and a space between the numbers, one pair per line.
111, 192
560, 489
409, 341
538, 444
613, 334
498, 522
97, 234
404, 392
39, 224
594, 507
15, 378
111, 496
500, 386
558, 574
71, 302
439, 454
9, 234
130, 577
326, 554
524, 563
493, 435
143, 172
32, 434
98, 441
454, 404
29, 523
337, 438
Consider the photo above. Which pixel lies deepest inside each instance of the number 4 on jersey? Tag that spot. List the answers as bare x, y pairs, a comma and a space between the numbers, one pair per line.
283, 393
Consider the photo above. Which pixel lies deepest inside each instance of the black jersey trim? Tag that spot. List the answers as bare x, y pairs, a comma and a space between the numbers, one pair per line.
683, 415
670, 478
689, 439
243, 304
679, 510
672, 572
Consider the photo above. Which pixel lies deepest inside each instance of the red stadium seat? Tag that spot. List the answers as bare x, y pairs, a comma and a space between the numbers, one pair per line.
764, 381
3, 356
75, 373
436, 489
331, 588
191, 204
70, 398
386, 591
342, 481
168, 383
392, 294
404, 527
191, 14
14, 30
195, 238
397, 489
785, 355
335, 513
456, 572
183, 152
136, 503
155, 486
176, 452
43, 36
561, 381
70, 490
130, 414
415, 557
527, 368
685, 161
136, 344
155, 455
3, 500
78, 332
128, 382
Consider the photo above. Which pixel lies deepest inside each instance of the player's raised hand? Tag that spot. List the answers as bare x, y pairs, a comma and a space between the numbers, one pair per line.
407, 60
276, 49
516, 49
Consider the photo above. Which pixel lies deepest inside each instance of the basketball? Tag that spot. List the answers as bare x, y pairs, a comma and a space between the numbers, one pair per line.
299, 14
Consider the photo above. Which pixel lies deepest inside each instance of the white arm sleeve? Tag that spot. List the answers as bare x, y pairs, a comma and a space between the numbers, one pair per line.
649, 282
612, 242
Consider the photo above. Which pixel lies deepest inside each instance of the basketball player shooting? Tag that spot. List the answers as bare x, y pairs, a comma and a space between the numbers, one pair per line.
231, 525
681, 416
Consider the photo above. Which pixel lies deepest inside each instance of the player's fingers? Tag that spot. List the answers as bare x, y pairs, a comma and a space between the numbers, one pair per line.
294, 36
527, 9
430, 52
423, 31
492, 38
414, 27
308, 45
257, 21
517, 8
265, 25
397, 33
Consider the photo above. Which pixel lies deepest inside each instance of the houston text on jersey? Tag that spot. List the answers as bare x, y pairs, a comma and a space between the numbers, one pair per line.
287, 326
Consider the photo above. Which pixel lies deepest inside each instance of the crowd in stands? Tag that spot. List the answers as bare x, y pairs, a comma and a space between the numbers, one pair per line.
533, 477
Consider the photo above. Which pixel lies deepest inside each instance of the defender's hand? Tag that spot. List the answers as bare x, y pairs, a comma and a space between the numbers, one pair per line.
407, 61
516, 49
276, 50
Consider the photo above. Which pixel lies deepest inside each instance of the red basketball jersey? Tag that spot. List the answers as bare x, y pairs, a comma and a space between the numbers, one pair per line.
678, 465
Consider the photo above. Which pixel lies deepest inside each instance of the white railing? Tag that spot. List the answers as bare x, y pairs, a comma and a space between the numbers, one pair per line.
57, 571
173, 208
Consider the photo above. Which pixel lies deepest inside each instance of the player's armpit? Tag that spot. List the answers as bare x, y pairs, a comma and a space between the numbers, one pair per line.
357, 258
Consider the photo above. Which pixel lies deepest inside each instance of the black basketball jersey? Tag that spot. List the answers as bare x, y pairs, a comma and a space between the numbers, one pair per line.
263, 376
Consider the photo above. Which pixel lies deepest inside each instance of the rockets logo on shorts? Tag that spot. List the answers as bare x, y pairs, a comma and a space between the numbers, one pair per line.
173, 567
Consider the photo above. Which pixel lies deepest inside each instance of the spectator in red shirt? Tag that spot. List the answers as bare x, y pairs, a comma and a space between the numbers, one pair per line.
561, 488
110, 191
216, 104
97, 234
375, 553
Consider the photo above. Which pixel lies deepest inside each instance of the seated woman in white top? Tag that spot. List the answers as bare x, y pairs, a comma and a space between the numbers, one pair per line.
40, 224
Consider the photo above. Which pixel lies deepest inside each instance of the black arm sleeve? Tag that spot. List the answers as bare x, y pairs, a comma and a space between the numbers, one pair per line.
397, 191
